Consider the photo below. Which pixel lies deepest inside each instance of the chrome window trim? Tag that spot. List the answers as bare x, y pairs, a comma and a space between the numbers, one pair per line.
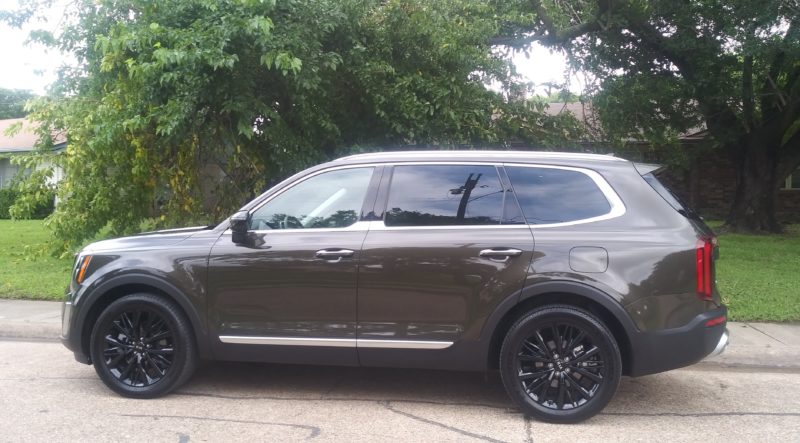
617, 206
335, 342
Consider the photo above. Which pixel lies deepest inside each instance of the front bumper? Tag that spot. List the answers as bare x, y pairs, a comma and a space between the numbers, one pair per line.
660, 351
69, 337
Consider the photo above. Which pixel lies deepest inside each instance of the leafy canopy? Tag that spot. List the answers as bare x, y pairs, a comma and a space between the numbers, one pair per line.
183, 109
667, 67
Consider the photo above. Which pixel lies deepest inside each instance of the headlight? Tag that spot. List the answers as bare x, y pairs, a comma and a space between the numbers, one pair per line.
80, 268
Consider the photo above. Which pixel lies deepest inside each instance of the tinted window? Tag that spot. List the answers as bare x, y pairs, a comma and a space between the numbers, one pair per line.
444, 195
329, 200
549, 195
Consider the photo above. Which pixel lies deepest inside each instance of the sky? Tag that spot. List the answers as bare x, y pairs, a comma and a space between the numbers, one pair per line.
31, 66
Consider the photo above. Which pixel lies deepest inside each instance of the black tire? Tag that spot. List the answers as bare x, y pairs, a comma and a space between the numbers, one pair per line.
142, 346
560, 381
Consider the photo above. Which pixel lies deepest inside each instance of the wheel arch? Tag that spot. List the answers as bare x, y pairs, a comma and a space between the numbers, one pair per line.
598, 303
115, 288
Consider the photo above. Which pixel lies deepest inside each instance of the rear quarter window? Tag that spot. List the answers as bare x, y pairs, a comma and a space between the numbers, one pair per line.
550, 195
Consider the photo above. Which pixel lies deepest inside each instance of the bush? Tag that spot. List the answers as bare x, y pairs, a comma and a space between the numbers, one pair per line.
41, 210
7, 198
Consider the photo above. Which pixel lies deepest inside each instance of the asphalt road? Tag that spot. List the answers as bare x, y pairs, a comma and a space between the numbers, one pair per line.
46, 396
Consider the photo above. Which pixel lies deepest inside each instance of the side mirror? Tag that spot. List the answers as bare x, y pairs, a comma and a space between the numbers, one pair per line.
239, 227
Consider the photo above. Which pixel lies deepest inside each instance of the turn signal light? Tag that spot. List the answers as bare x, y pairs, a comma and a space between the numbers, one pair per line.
84, 265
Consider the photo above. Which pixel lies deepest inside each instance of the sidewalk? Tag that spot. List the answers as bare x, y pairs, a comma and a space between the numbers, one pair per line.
760, 345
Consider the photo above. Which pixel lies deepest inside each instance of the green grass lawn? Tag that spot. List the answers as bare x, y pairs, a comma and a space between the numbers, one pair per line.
27, 275
759, 276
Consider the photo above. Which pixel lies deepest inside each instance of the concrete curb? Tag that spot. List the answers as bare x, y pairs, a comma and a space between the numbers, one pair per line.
752, 345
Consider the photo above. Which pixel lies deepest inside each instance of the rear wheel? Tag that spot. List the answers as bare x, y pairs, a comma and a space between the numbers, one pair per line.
560, 364
142, 346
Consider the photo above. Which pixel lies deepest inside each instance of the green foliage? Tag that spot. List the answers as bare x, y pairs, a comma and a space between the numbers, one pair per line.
184, 109
7, 197
665, 68
12, 102
31, 205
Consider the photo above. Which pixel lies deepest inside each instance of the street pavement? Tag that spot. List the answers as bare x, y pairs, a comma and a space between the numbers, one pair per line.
46, 396
750, 393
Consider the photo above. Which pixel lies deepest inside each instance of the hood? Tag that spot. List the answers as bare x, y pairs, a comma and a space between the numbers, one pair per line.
145, 240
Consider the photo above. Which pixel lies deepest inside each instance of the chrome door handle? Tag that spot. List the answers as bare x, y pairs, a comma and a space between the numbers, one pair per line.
500, 252
334, 253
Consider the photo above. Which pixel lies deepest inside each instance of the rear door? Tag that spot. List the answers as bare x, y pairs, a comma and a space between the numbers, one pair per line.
449, 245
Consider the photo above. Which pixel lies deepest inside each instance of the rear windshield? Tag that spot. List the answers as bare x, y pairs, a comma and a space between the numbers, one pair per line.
670, 197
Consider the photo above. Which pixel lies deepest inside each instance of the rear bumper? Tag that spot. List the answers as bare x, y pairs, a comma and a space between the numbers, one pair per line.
660, 351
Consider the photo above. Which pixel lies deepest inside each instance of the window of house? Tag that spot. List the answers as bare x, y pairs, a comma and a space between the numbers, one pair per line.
329, 200
436, 195
793, 181
549, 195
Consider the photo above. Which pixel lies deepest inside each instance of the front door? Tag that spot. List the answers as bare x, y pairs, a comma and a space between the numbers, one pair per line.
450, 247
293, 285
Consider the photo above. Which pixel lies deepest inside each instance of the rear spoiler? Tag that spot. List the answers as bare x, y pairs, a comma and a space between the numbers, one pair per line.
647, 168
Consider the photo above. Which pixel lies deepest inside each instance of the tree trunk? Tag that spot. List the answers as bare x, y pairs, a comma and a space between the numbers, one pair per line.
753, 208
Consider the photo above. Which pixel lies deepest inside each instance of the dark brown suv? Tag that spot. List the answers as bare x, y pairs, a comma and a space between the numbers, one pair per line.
563, 271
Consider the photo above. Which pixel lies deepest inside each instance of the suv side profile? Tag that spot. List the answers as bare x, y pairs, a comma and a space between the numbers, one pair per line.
564, 271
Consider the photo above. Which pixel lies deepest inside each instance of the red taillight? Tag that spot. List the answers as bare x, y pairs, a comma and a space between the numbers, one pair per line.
715, 321
705, 248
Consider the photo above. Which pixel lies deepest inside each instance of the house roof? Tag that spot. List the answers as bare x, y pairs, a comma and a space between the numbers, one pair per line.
25, 139
585, 113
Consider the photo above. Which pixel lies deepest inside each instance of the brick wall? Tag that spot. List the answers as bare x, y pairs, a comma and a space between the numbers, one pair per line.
710, 185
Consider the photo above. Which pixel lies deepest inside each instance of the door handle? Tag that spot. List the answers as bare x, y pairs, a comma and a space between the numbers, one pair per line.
500, 253
329, 254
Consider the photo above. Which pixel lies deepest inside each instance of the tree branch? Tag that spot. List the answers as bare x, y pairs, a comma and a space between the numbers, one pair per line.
551, 35
747, 92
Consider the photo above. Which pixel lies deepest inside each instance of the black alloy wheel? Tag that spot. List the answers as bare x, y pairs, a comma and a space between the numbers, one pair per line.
560, 364
142, 346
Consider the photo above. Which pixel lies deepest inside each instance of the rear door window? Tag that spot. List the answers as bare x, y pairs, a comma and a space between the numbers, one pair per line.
442, 195
551, 195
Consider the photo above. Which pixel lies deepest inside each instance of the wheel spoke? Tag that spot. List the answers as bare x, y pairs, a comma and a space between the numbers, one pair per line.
580, 389
162, 351
561, 391
533, 358
545, 387
557, 339
542, 344
116, 343
594, 377
586, 355
534, 349
576, 340
158, 337
534, 375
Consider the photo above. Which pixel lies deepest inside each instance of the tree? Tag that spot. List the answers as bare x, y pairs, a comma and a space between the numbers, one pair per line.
667, 66
12, 102
198, 104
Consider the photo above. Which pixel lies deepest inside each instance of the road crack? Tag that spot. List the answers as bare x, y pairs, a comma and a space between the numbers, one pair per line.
388, 405
314, 431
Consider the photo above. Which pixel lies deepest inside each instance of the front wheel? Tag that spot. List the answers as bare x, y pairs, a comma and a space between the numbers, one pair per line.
142, 346
560, 364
